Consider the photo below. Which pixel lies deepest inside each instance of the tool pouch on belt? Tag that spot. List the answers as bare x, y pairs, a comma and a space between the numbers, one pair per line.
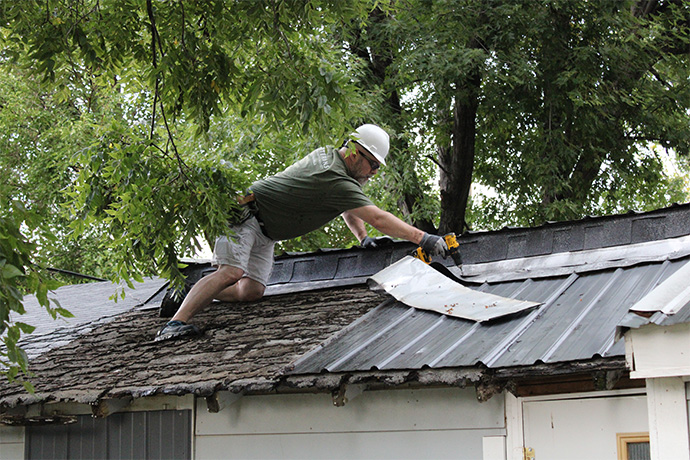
249, 209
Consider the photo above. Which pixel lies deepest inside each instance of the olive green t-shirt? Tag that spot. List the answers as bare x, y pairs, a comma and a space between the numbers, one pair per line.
307, 195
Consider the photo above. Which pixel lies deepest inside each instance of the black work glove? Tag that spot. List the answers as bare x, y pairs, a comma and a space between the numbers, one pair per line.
368, 243
372, 243
434, 245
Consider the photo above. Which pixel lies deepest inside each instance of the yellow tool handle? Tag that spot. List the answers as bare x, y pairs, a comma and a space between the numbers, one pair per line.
421, 255
451, 241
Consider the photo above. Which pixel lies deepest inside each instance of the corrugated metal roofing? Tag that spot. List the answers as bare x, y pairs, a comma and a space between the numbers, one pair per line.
577, 321
667, 305
672, 296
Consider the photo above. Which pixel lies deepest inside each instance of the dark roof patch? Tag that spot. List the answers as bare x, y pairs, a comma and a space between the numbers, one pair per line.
589, 233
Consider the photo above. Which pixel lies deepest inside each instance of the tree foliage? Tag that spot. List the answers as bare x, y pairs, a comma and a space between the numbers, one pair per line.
153, 70
551, 105
19, 274
571, 109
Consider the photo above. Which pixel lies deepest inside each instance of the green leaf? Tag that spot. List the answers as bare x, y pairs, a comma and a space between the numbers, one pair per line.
64, 313
25, 328
10, 271
29, 387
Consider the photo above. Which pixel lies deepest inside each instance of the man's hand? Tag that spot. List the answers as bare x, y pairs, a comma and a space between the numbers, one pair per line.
368, 243
434, 245
373, 243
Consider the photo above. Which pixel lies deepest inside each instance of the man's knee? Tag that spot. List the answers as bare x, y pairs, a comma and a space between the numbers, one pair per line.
228, 275
250, 290
251, 296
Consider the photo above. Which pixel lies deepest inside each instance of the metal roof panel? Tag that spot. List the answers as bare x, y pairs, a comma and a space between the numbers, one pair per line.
672, 295
577, 321
419, 285
594, 333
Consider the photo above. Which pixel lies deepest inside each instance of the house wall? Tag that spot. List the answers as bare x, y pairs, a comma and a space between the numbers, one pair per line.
578, 426
11, 443
145, 425
395, 424
658, 351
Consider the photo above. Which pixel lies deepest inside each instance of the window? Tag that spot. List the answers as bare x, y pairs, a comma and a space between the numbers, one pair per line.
633, 446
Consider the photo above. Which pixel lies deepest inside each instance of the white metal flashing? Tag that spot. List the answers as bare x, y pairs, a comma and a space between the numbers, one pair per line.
670, 296
566, 263
418, 285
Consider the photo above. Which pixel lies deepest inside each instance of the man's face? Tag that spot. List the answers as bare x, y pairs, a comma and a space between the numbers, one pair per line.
366, 166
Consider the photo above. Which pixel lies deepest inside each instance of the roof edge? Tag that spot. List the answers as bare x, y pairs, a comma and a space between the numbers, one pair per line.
487, 381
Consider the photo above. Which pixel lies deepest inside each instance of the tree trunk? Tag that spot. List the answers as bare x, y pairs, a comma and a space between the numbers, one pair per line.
456, 160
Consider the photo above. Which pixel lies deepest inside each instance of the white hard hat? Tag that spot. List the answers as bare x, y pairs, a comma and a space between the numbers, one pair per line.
374, 139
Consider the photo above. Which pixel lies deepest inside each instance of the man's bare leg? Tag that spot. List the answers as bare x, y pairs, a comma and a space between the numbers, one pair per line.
245, 290
207, 289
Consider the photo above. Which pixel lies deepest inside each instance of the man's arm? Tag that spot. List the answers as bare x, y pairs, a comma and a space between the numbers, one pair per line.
355, 224
381, 220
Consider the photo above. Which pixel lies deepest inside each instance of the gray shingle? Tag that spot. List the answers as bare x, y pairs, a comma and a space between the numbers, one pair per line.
245, 344
89, 303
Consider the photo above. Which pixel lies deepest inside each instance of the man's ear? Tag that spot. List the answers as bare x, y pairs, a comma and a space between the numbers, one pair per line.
351, 149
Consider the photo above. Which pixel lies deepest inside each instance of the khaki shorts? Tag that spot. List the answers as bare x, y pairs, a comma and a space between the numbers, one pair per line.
248, 249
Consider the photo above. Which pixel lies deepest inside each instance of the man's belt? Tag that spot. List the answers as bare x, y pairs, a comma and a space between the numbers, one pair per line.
250, 209
246, 199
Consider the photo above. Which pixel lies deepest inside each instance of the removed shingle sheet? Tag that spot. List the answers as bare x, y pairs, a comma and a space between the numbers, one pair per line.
418, 285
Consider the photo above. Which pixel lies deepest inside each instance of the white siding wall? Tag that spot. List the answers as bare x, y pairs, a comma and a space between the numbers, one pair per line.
11, 443
394, 424
658, 351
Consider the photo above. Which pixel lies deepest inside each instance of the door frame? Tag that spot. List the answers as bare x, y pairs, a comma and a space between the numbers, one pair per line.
515, 424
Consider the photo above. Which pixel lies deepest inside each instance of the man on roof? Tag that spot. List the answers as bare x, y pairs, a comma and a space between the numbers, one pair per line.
305, 196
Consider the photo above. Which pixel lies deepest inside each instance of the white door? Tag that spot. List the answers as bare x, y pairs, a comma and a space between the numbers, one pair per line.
589, 426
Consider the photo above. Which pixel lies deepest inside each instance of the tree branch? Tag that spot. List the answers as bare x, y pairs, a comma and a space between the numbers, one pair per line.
155, 39
154, 32
431, 157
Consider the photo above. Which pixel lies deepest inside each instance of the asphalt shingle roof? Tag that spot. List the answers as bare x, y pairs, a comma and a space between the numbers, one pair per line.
91, 304
246, 344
